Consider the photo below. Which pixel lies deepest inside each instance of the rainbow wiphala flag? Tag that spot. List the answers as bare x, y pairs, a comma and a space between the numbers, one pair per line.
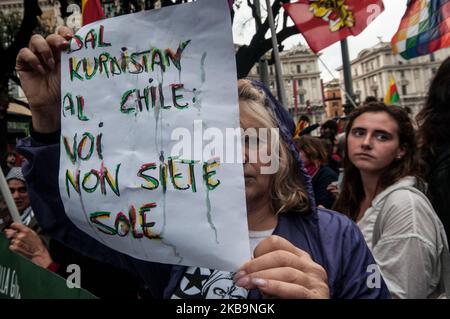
392, 95
425, 28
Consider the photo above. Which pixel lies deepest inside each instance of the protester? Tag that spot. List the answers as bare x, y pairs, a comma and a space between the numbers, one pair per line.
340, 138
18, 188
10, 162
314, 156
370, 99
5, 216
28, 240
434, 142
381, 176
301, 251
304, 127
11, 159
328, 133
329, 130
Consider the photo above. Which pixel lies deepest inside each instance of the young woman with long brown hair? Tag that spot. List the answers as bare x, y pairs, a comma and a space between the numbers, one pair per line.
380, 192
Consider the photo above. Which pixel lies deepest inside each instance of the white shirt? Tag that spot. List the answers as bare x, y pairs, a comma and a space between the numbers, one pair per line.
408, 241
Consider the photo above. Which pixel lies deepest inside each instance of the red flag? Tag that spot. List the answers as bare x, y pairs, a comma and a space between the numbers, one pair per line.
324, 22
92, 11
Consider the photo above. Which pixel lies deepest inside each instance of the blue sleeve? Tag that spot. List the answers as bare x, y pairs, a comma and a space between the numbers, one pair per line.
41, 173
359, 276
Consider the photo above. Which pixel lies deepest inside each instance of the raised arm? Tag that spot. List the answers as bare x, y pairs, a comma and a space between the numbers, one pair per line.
38, 67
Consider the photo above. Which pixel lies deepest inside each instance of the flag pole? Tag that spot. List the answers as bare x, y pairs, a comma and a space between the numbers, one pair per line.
347, 77
276, 55
347, 95
4, 189
264, 74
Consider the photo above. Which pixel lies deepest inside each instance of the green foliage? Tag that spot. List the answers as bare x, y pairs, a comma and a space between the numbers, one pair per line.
9, 26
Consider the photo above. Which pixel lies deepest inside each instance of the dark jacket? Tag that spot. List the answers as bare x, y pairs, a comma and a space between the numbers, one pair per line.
439, 187
320, 181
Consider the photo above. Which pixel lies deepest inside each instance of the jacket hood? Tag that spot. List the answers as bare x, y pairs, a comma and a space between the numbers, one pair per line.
287, 129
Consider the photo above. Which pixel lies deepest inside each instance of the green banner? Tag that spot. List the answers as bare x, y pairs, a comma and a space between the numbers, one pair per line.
21, 279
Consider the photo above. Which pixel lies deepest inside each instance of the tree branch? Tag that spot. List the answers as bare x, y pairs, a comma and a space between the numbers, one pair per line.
247, 56
29, 23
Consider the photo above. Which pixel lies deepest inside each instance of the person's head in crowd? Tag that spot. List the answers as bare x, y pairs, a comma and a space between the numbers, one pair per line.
434, 119
380, 142
304, 118
370, 99
11, 159
282, 191
312, 151
18, 188
5, 216
315, 157
342, 123
329, 130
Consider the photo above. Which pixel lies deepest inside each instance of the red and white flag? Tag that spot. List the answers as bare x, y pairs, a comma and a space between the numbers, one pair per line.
324, 22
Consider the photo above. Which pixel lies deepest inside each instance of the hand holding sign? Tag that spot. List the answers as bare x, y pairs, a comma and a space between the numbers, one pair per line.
39, 71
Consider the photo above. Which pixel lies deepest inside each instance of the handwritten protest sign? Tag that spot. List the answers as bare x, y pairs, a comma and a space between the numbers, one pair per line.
128, 85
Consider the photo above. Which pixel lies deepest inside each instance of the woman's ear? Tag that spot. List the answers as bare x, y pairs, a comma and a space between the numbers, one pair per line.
401, 152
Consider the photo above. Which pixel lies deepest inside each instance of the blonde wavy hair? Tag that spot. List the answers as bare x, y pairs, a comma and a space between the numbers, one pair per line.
288, 194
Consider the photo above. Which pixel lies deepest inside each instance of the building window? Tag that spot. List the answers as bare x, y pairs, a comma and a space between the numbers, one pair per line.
300, 82
334, 96
387, 59
257, 70
302, 98
299, 68
271, 70
402, 74
432, 57
404, 89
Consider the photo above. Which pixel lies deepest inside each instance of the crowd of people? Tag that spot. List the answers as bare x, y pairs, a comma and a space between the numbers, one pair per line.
340, 205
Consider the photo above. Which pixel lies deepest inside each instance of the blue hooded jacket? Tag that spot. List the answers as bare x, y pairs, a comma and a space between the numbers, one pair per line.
331, 239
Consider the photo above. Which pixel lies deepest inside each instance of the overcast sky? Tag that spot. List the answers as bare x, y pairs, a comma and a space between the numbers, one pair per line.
384, 26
